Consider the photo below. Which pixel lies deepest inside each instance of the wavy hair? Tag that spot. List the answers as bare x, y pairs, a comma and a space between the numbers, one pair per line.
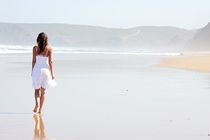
42, 41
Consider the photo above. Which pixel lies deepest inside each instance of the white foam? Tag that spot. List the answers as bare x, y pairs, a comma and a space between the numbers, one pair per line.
12, 49
8, 49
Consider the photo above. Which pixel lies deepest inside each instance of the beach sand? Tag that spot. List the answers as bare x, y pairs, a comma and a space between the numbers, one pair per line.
106, 97
196, 62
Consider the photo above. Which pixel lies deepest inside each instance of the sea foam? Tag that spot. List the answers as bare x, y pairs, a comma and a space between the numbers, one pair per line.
16, 49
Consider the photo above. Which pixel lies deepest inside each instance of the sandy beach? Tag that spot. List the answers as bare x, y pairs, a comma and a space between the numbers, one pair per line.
196, 62
108, 97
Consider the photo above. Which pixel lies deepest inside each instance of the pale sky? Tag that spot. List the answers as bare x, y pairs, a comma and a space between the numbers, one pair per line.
187, 14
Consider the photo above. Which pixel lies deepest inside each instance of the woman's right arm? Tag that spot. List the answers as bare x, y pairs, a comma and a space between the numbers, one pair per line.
51, 63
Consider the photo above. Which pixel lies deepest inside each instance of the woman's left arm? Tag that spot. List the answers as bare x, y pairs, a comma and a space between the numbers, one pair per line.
33, 57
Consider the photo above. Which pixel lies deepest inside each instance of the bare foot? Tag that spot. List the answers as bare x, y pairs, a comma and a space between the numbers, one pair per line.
35, 109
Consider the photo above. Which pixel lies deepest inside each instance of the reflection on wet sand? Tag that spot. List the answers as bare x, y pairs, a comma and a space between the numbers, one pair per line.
39, 129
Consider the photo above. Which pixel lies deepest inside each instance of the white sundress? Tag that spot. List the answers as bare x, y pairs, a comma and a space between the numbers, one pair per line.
41, 76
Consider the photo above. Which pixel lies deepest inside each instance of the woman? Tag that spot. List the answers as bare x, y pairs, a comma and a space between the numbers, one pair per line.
42, 70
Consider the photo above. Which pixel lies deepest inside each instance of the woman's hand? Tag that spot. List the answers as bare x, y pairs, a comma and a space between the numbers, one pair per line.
53, 77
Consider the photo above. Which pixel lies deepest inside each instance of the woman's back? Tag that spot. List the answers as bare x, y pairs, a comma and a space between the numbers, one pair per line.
44, 53
41, 62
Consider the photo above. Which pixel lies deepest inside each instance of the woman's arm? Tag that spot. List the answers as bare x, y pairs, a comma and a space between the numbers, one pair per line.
51, 63
33, 57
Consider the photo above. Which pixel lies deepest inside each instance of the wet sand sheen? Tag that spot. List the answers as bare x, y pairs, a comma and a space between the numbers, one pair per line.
106, 97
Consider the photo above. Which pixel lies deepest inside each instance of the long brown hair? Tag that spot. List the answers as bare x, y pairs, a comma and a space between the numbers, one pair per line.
42, 41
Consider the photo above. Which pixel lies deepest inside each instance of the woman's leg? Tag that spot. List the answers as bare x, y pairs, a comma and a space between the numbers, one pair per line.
42, 99
36, 96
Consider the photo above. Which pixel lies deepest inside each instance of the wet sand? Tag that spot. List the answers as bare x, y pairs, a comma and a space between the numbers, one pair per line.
106, 97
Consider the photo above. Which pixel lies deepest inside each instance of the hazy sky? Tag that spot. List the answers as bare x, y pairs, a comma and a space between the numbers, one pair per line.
109, 13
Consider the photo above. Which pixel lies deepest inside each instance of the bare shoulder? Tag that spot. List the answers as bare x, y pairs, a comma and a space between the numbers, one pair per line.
34, 48
49, 49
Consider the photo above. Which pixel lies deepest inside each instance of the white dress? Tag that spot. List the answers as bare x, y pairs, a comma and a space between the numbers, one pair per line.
41, 76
